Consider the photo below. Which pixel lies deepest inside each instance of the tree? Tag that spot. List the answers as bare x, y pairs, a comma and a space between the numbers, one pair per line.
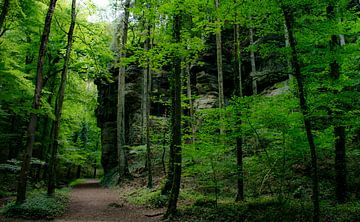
22, 182
59, 103
175, 146
339, 129
219, 63
123, 165
289, 21
239, 139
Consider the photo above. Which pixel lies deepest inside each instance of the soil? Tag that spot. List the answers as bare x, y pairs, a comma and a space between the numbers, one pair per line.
90, 202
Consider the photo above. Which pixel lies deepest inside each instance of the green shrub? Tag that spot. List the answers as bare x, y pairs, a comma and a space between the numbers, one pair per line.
39, 206
148, 198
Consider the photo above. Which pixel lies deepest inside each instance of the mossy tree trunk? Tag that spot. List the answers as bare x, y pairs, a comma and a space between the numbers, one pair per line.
175, 145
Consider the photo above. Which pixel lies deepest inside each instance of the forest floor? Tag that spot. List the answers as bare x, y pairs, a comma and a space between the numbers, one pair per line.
91, 202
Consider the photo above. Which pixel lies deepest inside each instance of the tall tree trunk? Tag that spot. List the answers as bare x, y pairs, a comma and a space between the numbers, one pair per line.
239, 139
191, 105
59, 104
304, 108
147, 89
175, 145
123, 164
25, 167
253, 64
219, 67
339, 130
4, 12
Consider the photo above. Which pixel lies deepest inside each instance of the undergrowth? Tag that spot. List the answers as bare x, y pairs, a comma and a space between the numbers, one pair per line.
39, 206
268, 209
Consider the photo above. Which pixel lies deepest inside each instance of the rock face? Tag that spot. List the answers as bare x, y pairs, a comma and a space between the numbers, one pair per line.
204, 87
106, 119
106, 114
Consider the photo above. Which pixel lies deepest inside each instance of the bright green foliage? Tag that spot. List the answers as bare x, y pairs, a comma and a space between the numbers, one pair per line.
39, 206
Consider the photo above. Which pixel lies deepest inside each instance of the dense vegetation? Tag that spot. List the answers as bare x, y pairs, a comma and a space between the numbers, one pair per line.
245, 109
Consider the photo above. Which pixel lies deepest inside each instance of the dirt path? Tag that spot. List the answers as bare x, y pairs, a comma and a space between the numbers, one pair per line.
90, 202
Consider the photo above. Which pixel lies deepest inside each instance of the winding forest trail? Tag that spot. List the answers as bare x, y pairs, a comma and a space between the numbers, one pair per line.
90, 202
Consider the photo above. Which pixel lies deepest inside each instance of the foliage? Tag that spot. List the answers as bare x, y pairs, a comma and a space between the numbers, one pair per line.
147, 197
268, 209
39, 206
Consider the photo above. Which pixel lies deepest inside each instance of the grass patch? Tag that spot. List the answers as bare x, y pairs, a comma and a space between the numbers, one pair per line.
39, 206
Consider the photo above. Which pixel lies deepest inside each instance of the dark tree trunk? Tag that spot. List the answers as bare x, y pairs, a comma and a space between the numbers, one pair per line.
68, 174
340, 164
25, 167
78, 172
239, 139
176, 125
4, 12
148, 104
94, 174
59, 104
304, 108
339, 131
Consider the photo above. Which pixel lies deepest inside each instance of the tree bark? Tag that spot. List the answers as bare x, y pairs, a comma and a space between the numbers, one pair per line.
147, 95
191, 105
122, 159
253, 64
25, 167
4, 12
219, 67
175, 145
287, 44
339, 130
239, 139
59, 104
304, 109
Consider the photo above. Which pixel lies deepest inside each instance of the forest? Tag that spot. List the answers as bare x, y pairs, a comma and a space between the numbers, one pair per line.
180, 110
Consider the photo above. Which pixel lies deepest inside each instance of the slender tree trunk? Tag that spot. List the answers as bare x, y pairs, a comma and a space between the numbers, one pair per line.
339, 130
176, 124
191, 105
78, 172
147, 89
287, 44
59, 104
239, 139
94, 173
253, 64
304, 108
4, 12
219, 68
25, 167
122, 159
